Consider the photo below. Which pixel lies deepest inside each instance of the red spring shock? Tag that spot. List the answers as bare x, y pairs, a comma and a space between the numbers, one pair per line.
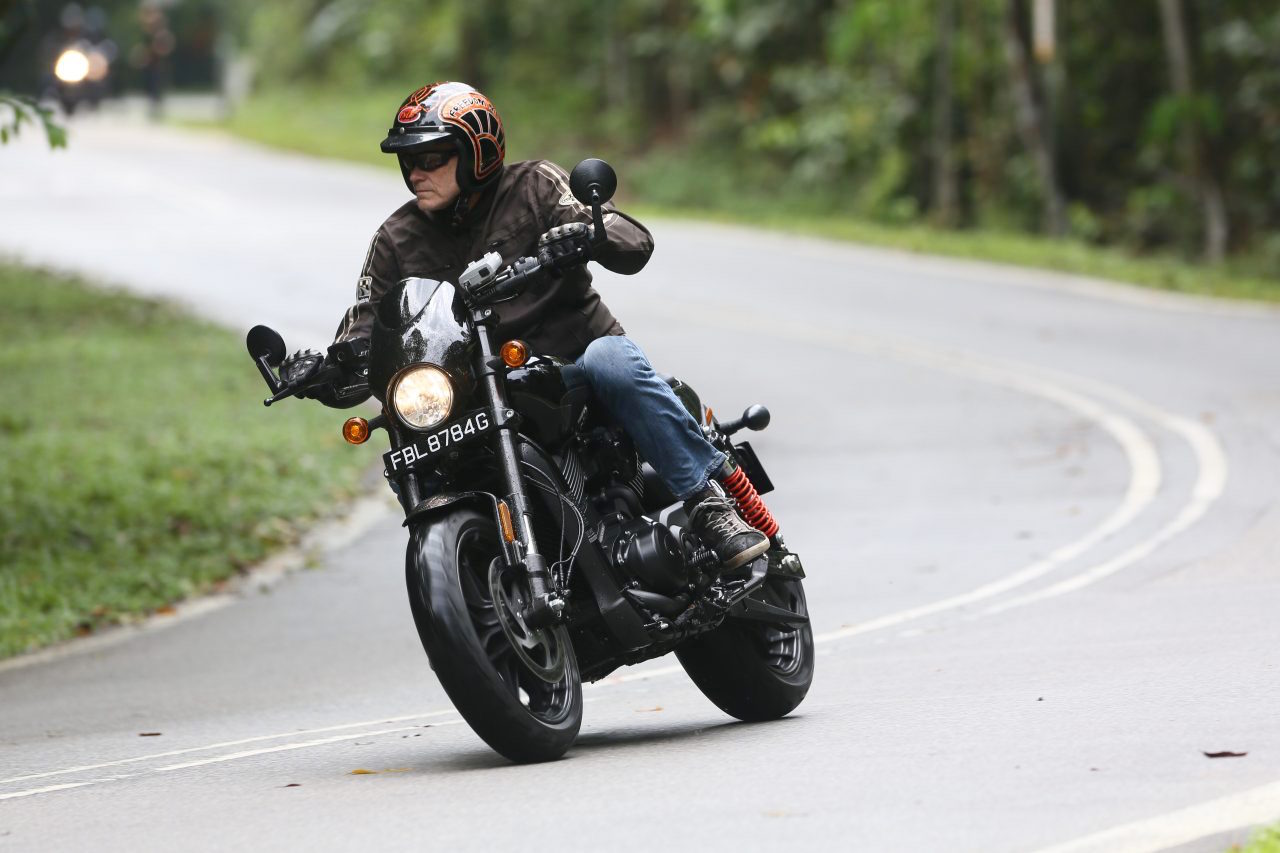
750, 505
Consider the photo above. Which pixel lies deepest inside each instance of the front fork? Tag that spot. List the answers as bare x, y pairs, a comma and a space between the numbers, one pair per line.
546, 605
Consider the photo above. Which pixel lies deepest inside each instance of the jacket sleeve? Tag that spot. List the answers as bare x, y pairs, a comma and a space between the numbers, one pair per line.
630, 243
380, 271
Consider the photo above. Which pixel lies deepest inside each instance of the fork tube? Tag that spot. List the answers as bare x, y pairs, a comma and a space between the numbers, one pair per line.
495, 389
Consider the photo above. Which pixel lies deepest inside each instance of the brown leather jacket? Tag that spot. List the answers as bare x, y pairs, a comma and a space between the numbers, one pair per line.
559, 318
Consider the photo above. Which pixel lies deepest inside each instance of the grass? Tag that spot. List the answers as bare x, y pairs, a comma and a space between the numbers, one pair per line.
673, 183
137, 465
1264, 841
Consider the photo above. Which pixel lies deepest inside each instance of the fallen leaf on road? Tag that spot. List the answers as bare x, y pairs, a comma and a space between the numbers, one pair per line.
362, 772
648, 710
293, 785
1225, 754
148, 734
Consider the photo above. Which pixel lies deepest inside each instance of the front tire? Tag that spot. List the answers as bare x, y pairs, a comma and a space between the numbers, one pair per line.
520, 690
755, 671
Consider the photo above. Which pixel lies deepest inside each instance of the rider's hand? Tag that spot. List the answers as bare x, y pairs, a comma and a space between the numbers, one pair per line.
301, 366
567, 244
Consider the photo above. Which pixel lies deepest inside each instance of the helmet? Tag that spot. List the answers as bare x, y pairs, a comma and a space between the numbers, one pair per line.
452, 112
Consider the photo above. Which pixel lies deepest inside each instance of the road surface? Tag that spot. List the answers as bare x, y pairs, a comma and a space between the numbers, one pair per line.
1038, 515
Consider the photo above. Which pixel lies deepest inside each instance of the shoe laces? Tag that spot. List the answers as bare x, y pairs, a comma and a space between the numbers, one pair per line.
717, 515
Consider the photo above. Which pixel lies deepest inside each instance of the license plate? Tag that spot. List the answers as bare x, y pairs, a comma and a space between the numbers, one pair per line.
446, 438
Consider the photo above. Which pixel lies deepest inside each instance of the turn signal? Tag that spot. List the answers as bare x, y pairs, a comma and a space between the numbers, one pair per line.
504, 518
356, 431
710, 415
515, 353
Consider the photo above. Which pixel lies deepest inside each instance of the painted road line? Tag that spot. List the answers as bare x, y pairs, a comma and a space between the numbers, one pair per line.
1139, 449
217, 759
1254, 806
224, 745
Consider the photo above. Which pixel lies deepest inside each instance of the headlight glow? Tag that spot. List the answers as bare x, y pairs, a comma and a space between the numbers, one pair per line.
422, 396
72, 66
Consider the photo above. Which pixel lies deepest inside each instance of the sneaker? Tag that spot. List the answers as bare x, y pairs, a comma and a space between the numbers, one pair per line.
716, 521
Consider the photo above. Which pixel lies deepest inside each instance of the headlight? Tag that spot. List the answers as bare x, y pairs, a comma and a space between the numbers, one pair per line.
422, 396
72, 66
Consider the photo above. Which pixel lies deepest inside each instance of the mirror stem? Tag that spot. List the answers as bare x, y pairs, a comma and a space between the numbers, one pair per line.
599, 238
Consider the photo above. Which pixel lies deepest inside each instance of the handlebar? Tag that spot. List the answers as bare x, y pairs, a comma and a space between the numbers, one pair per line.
480, 288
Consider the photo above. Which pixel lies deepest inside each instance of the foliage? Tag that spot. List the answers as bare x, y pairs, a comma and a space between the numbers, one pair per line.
1266, 840
25, 110
833, 100
121, 491
675, 181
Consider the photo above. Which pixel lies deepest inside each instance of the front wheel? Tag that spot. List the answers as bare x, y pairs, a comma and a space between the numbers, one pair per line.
755, 671
519, 689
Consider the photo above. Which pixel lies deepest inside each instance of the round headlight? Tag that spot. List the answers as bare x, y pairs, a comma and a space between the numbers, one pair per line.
423, 396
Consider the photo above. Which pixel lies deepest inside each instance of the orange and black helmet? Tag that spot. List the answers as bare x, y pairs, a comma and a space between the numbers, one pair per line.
450, 113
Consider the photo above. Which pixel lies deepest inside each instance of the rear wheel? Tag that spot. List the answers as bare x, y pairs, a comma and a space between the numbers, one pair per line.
518, 688
752, 670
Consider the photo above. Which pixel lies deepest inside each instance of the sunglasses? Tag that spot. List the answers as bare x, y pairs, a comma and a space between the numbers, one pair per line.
427, 161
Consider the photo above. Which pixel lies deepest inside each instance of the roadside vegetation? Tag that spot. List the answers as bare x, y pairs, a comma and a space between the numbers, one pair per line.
137, 465
673, 182
1264, 841
1130, 141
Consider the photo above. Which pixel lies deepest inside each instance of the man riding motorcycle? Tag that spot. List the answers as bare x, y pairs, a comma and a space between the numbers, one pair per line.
450, 144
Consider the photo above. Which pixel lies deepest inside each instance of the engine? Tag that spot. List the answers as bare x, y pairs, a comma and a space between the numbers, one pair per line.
647, 551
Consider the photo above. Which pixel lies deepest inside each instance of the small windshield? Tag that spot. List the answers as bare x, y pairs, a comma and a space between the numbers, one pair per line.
420, 320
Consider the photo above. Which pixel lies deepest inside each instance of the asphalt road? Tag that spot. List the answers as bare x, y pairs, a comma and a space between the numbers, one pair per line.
1038, 515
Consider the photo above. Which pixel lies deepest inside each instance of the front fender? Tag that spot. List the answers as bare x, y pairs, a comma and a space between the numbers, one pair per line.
440, 503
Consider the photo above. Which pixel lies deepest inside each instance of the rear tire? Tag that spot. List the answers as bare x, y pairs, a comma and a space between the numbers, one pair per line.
524, 715
755, 671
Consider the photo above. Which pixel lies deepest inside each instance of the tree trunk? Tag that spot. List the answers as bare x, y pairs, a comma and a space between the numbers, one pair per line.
1031, 122
1213, 205
944, 168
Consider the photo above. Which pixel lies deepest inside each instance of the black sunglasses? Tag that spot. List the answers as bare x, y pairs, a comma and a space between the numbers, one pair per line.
427, 161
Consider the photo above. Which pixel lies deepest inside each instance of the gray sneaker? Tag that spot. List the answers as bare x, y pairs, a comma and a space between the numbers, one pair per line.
713, 517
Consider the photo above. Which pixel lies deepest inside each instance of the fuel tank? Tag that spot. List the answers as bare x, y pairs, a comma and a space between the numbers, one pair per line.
549, 406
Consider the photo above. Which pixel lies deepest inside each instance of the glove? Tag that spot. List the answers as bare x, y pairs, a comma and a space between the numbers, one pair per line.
301, 366
566, 245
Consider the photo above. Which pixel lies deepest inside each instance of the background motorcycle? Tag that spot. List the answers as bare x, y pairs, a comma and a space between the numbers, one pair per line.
542, 550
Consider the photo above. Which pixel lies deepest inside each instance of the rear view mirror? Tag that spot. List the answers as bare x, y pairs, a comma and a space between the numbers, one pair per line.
264, 342
593, 181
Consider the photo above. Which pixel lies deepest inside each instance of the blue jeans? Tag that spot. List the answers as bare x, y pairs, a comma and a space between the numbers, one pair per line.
668, 438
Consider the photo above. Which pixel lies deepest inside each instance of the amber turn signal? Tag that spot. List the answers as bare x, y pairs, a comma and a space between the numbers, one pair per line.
710, 415
504, 518
515, 353
356, 431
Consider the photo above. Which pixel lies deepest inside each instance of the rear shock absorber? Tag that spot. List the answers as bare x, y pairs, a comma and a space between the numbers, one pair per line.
750, 504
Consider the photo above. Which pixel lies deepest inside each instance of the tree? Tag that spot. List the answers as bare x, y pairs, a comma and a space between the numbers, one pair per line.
1033, 122
1194, 153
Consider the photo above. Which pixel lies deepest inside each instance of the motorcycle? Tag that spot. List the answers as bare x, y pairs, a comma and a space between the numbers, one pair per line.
543, 552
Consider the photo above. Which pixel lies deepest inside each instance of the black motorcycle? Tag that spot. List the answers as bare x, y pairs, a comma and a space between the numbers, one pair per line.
542, 550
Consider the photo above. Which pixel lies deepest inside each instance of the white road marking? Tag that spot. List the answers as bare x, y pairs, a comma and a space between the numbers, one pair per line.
1139, 449
1211, 480
1254, 806
217, 759
224, 745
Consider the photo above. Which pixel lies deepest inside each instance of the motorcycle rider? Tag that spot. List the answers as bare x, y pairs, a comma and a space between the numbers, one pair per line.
450, 143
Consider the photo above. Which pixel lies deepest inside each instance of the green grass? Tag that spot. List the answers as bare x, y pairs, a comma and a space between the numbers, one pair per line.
675, 183
137, 464
1264, 841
